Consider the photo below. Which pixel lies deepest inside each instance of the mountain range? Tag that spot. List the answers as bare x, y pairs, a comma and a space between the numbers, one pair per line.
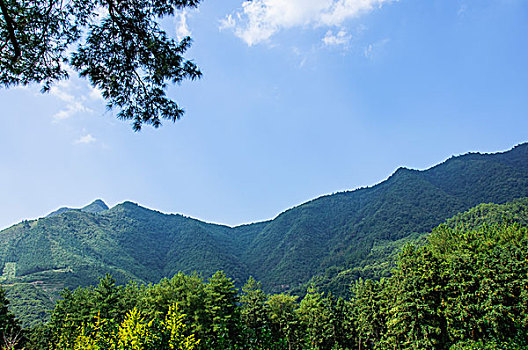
330, 241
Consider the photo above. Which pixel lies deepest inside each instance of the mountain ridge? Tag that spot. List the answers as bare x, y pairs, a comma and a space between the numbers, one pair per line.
351, 231
95, 206
523, 146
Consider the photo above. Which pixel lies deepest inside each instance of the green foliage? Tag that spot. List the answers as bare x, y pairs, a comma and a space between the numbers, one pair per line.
118, 46
369, 311
254, 315
174, 329
133, 333
325, 322
31, 301
284, 323
10, 331
413, 320
463, 289
490, 213
330, 242
221, 308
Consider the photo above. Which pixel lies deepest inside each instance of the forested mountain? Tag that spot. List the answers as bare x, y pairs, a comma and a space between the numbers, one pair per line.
336, 238
358, 229
95, 207
461, 287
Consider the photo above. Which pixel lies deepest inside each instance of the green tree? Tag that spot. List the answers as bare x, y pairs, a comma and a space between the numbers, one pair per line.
106, 301
222, 312
414, 317
107, 298
254, 316
368, 306
284, 321
135, 332
487, 287
120, 48
10, 332
316, 319
173, 328
186, 291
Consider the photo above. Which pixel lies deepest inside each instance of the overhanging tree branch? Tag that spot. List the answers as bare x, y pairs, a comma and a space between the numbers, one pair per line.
123, 51
11, 30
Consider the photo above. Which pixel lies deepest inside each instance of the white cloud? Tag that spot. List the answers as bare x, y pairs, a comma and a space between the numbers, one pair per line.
341, 38
86, 139
182, 29
258, 20
63, 90
227, 23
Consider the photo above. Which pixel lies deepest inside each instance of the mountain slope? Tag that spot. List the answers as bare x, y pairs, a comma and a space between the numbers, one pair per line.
343, 230
96, 206
344, 235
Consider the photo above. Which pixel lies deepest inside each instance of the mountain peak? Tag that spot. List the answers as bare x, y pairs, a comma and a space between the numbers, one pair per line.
95, 207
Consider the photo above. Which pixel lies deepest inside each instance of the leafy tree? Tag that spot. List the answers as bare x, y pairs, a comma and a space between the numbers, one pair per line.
106, 301
107, 298
284, 321
69, 314
136, 332
39, 337
10, 332
221, 308
487, 289
369, 312
174, 329
254, 316
186, 291
316, 319
414, 319
342, 323
121, 49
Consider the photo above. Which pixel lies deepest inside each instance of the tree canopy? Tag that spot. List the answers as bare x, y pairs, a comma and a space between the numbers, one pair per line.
118, 45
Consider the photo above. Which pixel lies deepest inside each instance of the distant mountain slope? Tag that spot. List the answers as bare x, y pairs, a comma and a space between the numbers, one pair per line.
95, 207
384, 254
344, 230
344, 235
129, 241
41, 257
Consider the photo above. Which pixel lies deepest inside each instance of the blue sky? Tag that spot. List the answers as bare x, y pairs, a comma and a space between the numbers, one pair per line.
299, 98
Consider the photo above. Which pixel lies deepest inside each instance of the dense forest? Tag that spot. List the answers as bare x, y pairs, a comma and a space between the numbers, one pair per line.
329, 242
462, 287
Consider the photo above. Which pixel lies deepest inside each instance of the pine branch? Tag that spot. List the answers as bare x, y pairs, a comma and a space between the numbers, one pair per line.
11, 30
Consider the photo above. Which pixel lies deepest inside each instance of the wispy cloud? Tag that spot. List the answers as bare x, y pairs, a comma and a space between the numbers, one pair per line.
372, 50
64, 91
86, 139
341, 38
258, 20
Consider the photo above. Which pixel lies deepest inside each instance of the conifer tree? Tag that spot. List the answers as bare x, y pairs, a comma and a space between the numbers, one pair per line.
284, 321
223, 314
254, 316
119, 46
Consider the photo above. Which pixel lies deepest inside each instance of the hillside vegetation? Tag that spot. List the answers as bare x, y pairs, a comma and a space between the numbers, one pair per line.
331, 241
463, 287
